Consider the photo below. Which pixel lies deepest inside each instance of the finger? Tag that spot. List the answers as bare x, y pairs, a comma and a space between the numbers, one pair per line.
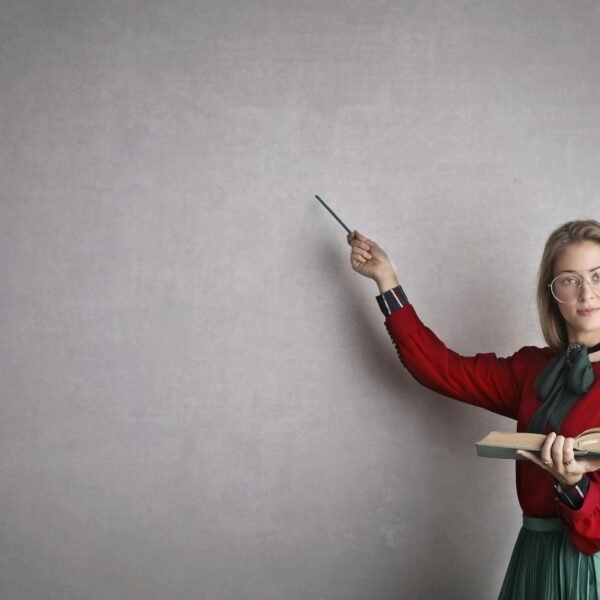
533, 458
568, 454
359, 244
545, 453
355, 236
556, 450
589, 465
361, 252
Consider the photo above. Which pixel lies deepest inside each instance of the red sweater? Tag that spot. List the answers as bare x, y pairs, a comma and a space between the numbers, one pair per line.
505, 386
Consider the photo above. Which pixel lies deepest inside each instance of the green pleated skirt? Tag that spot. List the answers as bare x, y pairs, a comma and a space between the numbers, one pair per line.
545, 565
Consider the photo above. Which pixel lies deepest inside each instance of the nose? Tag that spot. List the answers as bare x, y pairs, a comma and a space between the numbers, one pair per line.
586, 290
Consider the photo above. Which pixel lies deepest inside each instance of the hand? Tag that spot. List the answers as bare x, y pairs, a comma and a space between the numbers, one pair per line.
557, 458
369, 259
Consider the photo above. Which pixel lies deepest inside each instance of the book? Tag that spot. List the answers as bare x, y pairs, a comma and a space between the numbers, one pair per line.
503, 444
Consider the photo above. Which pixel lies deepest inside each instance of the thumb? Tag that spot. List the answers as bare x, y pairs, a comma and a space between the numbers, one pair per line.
590, 464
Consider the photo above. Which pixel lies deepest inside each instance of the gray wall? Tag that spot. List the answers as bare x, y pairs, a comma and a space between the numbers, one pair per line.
199, 397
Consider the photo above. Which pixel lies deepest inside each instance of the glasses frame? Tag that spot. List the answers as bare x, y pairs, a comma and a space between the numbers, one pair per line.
596, 291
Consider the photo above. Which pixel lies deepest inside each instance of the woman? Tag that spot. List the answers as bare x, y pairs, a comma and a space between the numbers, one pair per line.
553, 390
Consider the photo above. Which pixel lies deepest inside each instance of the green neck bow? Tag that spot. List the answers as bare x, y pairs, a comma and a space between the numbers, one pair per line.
568, 376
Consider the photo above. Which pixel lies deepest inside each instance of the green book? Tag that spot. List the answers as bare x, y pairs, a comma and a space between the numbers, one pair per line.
503, 444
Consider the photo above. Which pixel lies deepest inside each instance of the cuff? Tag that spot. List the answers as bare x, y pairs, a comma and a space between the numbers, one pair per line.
588, 506
574, 497
392, 300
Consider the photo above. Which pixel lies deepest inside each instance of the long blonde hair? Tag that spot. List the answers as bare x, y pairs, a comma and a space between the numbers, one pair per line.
552, 322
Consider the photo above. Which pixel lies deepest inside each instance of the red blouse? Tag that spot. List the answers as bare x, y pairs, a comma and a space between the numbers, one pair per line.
505, 386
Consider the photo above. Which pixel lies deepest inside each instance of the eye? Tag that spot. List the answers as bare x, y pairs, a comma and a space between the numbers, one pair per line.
596, 276
569, 281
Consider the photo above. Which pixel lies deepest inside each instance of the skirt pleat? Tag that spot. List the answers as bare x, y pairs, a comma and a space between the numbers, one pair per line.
545, 565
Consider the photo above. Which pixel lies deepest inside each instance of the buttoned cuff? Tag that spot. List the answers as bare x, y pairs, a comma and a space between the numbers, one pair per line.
574, 497
392, 300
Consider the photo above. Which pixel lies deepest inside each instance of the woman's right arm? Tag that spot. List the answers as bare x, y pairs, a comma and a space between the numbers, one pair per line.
482, 380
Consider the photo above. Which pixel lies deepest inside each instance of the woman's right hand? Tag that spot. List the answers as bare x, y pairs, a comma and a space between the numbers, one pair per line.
369, 259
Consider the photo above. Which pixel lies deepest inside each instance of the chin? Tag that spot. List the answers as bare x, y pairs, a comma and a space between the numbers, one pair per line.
587, 328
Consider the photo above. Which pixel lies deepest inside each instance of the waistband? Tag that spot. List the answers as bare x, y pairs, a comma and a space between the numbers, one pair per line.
543, 525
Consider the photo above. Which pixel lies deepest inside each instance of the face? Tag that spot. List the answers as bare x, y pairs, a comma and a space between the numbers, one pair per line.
583, 315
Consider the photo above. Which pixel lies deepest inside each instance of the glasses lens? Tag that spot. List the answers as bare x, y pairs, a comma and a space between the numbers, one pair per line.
566, 287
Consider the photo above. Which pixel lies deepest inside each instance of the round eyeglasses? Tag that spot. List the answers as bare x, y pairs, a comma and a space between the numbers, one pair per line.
566, 287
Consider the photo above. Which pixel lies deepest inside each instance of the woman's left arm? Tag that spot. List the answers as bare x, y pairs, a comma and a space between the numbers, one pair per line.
579, 491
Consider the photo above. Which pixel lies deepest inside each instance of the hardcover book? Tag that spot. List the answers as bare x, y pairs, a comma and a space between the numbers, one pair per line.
503, 444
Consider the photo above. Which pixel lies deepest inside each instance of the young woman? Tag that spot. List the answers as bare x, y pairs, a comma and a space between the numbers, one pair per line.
554, 391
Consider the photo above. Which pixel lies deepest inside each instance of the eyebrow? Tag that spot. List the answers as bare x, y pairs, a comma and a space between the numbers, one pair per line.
571, 271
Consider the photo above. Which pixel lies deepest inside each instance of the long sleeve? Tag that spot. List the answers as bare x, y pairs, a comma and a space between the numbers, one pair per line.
482, 380
584, 523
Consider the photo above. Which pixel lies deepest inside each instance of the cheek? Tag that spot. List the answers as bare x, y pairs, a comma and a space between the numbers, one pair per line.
567, 311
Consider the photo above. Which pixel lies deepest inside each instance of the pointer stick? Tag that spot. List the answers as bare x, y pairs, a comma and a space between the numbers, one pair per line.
335, 216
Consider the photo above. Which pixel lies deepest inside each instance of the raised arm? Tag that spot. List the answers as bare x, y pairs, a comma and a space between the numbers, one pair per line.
482, 380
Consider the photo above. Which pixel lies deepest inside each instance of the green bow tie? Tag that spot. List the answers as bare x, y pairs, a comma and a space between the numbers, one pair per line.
568, 376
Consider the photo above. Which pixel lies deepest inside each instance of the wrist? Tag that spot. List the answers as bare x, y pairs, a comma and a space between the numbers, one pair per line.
387, 282
568, 485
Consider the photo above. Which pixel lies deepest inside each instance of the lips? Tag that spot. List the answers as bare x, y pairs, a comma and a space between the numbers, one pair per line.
588, 311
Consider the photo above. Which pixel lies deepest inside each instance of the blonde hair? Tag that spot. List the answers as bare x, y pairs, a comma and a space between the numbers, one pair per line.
552, 322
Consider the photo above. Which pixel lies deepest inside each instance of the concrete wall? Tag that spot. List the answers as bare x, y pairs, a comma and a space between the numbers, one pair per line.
199, 397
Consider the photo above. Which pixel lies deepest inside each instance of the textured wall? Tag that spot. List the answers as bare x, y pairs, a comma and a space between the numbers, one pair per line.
199, 397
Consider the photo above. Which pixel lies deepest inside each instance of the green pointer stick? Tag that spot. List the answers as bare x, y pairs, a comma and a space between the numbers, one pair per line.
335, 216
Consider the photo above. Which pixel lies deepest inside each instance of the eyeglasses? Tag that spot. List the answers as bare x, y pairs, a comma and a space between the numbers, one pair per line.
566, 287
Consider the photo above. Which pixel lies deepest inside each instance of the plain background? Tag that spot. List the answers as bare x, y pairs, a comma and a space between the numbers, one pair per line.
199, 398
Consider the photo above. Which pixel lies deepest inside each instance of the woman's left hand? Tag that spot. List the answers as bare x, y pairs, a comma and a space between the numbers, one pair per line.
557, 458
